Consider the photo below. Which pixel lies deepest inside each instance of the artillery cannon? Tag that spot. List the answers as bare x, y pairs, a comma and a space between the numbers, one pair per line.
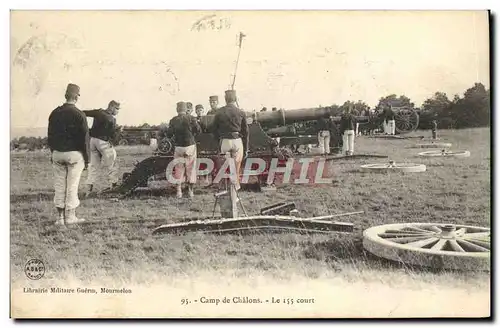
299, 126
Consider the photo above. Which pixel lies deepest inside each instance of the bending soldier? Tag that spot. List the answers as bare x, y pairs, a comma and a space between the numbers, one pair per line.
68, 140
231, 129
185, 128
102, 152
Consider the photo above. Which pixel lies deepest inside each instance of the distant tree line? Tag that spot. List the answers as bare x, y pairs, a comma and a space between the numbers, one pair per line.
468, 111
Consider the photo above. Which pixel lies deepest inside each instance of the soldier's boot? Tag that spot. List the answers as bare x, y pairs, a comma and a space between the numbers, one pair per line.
70, 217
60, 213
179, 191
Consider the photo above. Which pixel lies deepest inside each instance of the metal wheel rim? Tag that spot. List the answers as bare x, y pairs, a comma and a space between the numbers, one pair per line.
438, 153
404, 167
431, 244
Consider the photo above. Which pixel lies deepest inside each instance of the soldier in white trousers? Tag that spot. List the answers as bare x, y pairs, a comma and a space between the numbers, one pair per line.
184, 128
68, 140
231, 129
326, 126
389, 121
347, 124
102, 151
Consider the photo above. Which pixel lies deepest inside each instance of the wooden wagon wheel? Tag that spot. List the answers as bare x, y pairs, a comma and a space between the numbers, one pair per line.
406, 120
444, 153
392, 166
435, 245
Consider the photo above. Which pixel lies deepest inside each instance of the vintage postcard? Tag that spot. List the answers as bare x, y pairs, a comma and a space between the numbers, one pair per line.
250, 164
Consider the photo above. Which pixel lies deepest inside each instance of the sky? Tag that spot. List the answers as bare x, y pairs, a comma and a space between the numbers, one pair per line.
150, 60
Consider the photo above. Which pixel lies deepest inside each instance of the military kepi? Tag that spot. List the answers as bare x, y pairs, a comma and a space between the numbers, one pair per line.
181, 105
73, 90
214, 98
230, 95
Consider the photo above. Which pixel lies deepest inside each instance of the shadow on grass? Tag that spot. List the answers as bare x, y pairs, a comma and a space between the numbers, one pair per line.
32, 197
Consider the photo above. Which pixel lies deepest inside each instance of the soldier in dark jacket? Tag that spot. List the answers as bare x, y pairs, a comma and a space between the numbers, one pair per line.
231, 129
68, 140
389, 121
214, 102
326, 128
347, 124
185, 128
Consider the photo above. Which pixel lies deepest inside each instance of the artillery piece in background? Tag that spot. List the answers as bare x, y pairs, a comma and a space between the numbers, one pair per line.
292, 127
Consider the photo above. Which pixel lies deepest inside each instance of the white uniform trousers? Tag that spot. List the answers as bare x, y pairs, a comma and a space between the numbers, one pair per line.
186, 170
348, 142
233, 148
390, 127
67, 167
324, 142
102, 153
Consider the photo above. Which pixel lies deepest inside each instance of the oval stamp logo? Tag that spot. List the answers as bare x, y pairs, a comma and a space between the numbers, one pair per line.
34, 269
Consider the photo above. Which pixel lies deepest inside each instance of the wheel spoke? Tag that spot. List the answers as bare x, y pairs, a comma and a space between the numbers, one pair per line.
466, 245
435, 229
439, 245
455, 246
401, 234
419, 230
479, 242
405, 240
480, 235
422, 243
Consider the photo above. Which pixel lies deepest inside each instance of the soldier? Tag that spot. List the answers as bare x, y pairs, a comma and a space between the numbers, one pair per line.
347, 123
389, 122
434, 129
231, 129
199, 110
189, 108
324, 134
102, 135
185, 128
214, 102
68, 140
274, 109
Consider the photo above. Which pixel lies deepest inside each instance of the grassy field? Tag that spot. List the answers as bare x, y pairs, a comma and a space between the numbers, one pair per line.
116, 247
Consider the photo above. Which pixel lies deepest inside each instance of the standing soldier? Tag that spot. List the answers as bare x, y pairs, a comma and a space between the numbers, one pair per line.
389, 122
199, 110
214, 102
347, 123
68, 140
434, 129
324, 135
184, 127
189, 108
102, 135
231, 129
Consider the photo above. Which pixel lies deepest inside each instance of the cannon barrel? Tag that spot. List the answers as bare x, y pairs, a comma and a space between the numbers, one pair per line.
286, 117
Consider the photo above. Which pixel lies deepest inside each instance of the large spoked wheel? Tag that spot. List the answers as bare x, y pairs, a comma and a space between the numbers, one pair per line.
434, 145
165, 146
444, 153
435, 245
392, 166
406, 120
